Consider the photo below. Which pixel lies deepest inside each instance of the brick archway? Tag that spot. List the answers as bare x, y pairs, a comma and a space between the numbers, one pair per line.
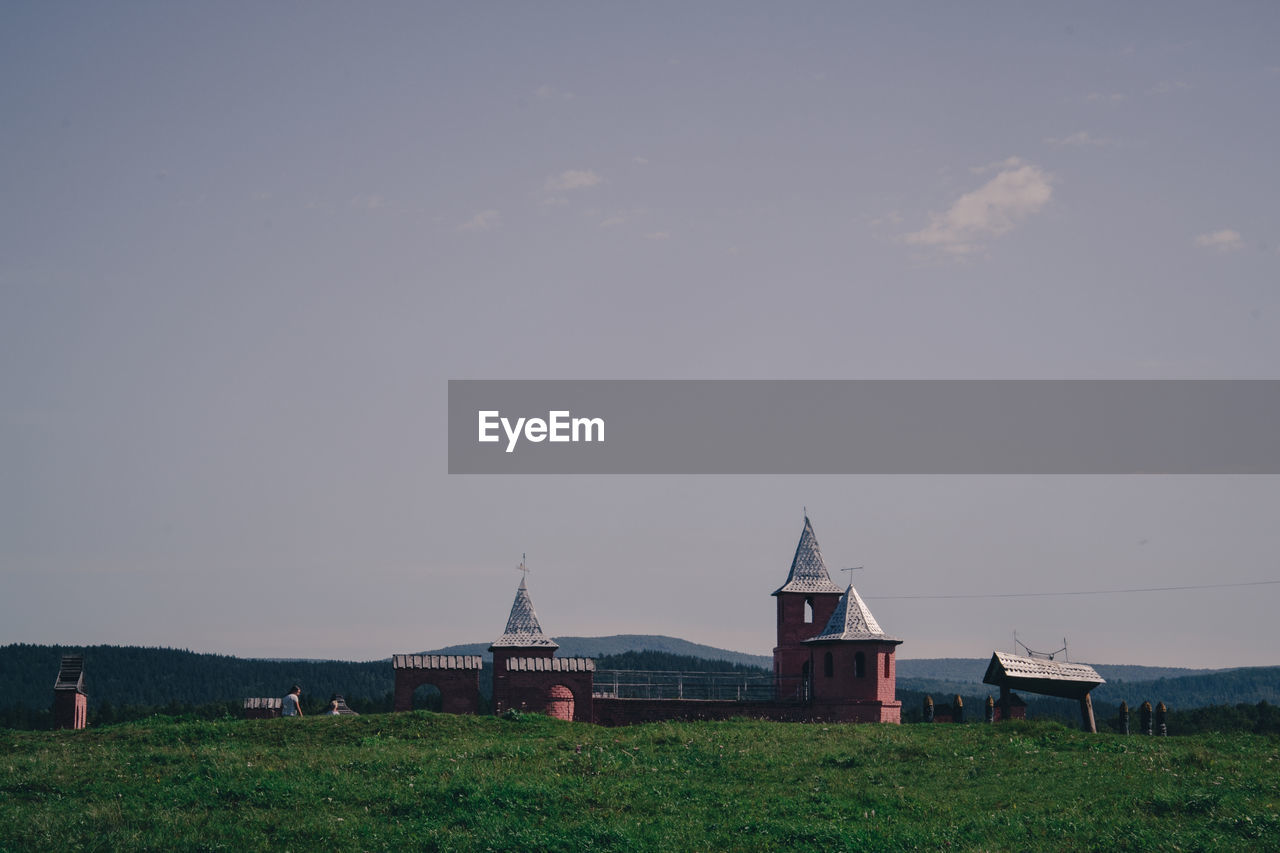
457, 677
560, 702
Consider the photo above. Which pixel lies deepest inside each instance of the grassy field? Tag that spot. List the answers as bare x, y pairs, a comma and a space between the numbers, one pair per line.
424, 781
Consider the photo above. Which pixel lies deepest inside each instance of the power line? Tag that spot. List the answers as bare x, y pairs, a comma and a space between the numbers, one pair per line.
1074, 592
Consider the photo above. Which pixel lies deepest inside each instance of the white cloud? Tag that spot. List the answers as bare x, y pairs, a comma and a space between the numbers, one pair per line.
1080, 139
482, 221
1226, 240
572, 179
1016, 192
1007, 163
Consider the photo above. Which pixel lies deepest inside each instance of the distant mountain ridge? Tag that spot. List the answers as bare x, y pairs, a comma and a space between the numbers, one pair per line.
616, 644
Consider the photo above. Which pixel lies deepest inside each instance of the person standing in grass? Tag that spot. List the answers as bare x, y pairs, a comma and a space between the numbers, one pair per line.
290, 706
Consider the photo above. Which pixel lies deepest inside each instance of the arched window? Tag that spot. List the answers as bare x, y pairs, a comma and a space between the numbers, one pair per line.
828, 665
808, 610
860, 665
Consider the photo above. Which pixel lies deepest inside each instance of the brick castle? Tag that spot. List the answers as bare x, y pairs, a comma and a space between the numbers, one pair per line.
832, 662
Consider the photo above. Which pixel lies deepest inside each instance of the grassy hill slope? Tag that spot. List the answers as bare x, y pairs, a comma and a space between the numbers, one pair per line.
425, 782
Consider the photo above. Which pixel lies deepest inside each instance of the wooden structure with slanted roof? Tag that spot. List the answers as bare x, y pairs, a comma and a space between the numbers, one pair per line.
70, 702
1047, 677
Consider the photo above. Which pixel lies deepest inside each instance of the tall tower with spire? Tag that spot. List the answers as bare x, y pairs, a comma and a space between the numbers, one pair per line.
522, 640
805, 604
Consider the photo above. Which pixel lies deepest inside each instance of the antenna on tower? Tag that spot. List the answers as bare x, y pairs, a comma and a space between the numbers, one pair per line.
851, 570
1035, 654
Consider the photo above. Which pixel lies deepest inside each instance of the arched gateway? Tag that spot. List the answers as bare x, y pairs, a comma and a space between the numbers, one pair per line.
457, 677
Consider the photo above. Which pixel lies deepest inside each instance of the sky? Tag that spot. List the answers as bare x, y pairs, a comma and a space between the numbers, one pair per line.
244, 246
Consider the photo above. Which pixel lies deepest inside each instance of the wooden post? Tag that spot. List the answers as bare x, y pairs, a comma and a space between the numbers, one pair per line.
1124, 718
1162, 720
1144, 718
990, 713
928, 709
957, 709
1086, 714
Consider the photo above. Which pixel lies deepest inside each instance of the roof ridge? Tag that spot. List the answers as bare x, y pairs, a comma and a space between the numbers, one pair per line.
852, 620
808, 569
523, 629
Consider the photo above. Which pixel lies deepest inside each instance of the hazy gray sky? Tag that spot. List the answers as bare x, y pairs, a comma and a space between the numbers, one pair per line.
244, 246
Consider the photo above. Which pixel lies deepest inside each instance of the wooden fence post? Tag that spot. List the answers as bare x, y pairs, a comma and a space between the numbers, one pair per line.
1144, 717
928, 709
1124, 718
1086, 714
1162, 720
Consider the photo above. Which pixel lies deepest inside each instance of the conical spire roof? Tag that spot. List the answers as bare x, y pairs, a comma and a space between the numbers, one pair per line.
808, 571
852, 620
523, 630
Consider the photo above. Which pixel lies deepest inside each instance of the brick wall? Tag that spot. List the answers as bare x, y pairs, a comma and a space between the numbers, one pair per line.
625, 712
459, 688
536, 692
70, 709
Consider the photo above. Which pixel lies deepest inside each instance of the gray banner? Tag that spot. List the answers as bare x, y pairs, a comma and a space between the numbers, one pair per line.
863, 427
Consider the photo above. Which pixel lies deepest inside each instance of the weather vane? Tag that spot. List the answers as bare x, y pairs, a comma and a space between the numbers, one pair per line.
522, 567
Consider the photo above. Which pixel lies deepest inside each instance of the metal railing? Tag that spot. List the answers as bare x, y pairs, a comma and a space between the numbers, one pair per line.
659, 684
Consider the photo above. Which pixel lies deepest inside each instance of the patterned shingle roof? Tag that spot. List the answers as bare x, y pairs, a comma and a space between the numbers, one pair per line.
436, 662
551, 665
852, 620
523, 630
1018, 666
71, 674
808, 571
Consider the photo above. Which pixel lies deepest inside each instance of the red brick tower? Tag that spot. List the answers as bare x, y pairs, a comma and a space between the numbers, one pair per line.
805, 604
522, 639
853, 665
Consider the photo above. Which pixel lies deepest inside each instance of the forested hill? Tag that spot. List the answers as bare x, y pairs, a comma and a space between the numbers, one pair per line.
175, 679
165, 678
134, 675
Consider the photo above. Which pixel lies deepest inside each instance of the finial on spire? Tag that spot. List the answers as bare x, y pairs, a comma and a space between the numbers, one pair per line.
806, 512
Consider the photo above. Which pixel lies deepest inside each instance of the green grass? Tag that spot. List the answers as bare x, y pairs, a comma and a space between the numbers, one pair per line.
426, 781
